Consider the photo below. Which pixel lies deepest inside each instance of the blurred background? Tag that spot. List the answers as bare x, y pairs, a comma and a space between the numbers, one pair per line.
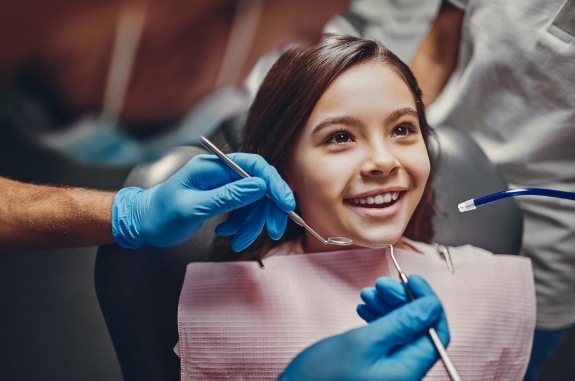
51, 326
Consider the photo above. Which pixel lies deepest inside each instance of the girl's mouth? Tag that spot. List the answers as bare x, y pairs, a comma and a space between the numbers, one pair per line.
382, 200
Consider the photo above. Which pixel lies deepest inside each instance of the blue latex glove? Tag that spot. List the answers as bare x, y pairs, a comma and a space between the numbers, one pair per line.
389, 294
394, 346
169, 213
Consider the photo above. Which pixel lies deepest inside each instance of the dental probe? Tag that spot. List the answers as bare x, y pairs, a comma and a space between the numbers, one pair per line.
474, 203
341, 241
432, 333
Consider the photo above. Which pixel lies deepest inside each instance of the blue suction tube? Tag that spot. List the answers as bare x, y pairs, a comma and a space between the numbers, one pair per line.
474, 203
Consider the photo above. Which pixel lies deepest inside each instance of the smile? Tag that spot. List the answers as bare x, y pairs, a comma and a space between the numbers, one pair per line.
376, 201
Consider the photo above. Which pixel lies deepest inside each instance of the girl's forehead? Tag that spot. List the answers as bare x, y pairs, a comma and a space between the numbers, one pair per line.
371, 75
365, 89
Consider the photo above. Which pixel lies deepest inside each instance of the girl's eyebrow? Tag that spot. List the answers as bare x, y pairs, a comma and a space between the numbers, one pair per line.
351, 121
344, 120
399, 113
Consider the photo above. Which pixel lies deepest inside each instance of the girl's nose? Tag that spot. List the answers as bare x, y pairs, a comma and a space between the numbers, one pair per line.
380, 161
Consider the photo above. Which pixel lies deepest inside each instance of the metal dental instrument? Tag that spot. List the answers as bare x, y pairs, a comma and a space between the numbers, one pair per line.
444, 253
474, 203
432, 333
340, 241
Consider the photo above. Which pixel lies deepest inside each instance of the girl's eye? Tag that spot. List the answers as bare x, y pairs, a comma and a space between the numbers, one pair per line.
339, 138
404, 129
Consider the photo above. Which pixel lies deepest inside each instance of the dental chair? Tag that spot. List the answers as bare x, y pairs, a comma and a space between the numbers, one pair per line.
139, 290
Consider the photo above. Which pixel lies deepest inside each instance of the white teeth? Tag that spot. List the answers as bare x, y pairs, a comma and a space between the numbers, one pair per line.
377, 199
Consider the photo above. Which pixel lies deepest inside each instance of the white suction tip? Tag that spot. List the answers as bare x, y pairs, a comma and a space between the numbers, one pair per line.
466, 206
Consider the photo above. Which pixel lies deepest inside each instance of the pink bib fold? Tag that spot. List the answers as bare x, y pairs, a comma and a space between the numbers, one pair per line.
239, 322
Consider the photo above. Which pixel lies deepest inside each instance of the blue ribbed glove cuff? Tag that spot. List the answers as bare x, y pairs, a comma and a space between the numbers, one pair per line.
123, 229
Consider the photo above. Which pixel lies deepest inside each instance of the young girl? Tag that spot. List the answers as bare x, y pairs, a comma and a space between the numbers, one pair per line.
344, 124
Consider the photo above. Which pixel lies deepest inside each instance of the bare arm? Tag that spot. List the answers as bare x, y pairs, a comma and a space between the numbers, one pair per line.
45, 217
436, 58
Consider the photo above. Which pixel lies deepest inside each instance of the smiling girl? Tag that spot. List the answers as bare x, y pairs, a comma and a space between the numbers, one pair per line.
343, 123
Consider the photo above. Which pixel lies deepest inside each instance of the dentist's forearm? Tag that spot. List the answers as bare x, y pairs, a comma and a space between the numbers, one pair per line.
46, 217
437, 56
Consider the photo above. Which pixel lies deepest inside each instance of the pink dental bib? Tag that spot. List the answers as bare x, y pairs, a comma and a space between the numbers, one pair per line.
239, 322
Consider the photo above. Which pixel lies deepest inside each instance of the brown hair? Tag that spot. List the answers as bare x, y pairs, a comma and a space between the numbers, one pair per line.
289, 94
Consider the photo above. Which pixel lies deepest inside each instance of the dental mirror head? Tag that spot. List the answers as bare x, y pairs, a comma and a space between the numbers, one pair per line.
341, 241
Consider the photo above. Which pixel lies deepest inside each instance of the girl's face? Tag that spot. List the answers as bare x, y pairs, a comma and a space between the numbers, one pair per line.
360, 165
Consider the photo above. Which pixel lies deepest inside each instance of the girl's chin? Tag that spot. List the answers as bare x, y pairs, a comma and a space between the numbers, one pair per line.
378, 240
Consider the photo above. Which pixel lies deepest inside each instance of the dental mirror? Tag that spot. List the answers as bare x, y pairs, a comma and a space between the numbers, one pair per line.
339, 241
342, 241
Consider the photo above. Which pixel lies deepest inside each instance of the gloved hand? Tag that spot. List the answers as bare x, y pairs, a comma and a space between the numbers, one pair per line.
168, 213
394, 346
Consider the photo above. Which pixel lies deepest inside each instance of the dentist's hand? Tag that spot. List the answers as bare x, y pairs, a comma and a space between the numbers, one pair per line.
169, 213
394, 346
